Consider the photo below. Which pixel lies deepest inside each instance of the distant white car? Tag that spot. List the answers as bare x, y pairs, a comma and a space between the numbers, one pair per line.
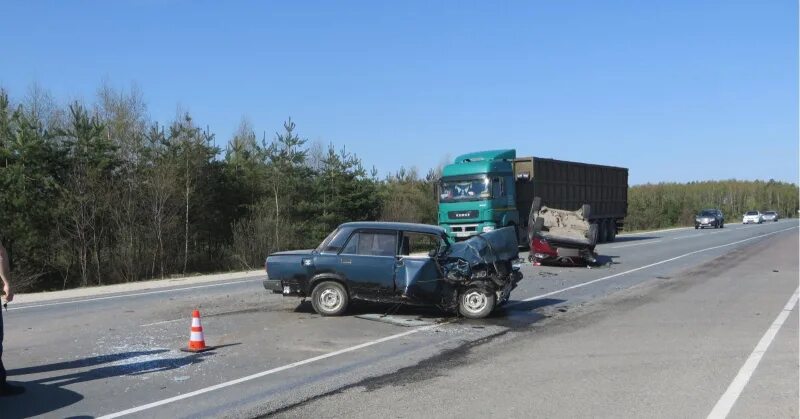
752, 217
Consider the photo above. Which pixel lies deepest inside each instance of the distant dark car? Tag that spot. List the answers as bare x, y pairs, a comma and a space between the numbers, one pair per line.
709, 218
770, 216
405, 263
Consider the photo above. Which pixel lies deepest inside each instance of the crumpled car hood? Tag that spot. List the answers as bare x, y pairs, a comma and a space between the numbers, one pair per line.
495, 246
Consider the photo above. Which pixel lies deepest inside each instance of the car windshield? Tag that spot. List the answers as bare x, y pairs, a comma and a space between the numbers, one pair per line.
326, 241
464, 189
752, 213
707, 214
769, 213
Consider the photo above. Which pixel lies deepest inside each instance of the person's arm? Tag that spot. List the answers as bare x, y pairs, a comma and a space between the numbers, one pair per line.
5, 274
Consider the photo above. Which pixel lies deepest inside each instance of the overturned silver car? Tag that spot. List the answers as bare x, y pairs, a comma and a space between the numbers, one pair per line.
404, 263
562, 236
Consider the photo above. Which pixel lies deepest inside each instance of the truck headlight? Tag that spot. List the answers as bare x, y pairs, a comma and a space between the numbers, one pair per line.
487, 229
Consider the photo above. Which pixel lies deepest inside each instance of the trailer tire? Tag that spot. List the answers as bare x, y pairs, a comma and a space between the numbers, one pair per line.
601, 231
612, 231
476, 303
329, 298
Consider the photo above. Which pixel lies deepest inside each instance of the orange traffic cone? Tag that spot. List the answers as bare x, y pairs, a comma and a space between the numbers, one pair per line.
197, 342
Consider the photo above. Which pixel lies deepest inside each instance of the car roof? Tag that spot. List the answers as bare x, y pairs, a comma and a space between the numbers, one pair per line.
387, 225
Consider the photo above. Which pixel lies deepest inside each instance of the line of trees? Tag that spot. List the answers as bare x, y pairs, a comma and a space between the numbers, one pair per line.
97, 194
662, 205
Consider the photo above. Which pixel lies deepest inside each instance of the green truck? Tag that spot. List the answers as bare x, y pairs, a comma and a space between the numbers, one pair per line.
486, 190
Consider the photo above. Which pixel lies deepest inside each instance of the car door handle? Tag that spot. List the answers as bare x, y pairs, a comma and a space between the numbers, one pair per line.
399, 262
346, 261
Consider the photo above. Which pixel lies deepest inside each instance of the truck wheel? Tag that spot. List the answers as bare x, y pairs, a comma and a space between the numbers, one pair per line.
329, 298
612, 230
601, 231
476, 303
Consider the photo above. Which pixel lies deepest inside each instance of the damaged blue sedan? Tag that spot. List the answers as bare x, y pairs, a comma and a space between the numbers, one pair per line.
415, 264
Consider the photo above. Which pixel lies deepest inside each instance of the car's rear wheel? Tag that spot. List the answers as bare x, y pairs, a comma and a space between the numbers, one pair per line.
476, 303
329, 298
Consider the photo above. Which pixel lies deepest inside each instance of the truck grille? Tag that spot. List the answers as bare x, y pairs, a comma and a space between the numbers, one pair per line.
458, 215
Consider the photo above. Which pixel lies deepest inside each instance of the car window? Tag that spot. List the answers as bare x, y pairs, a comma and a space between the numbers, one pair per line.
371, 244
752, 212
419, 244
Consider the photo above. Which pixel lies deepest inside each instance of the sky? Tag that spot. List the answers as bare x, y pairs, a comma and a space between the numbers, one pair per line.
673, 90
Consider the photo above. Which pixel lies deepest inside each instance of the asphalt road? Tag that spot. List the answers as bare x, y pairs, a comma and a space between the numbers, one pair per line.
662, 330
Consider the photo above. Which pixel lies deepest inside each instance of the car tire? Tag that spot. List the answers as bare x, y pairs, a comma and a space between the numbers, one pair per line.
593, 234
329, 298
586, 210
722, 224
612, 230
476, 303
696, 227
536, 205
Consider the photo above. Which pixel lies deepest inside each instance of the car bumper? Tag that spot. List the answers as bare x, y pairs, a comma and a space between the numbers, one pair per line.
712, 224
273, 285
751, 221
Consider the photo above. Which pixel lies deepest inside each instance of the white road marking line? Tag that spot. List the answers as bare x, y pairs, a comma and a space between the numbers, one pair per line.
266, 373
702, 234
686, 237
381, 340
651, 231
728, 399
539, 297
635, 244
163, 322
110, 297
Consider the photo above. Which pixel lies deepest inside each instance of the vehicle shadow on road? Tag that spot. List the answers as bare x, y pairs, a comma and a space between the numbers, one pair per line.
520, 314
361, 307
81, 363
136, 368
38, 399
623, 239
603, 260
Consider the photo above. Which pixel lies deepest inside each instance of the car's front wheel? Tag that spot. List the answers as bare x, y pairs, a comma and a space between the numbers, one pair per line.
476, 303
329, 298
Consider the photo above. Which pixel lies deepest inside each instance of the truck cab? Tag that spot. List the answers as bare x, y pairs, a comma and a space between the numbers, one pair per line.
477, 194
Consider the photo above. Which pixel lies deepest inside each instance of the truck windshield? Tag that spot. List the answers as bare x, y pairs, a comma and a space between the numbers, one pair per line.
464, 189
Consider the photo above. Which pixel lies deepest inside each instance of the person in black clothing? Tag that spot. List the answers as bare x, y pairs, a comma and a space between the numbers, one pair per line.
8, 295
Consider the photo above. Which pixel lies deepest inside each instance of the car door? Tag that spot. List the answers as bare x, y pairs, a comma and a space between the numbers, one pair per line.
417, 275
368, 261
